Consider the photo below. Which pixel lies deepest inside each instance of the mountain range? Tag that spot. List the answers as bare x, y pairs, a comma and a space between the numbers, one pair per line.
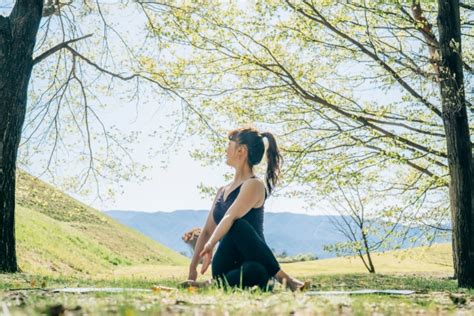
285, 232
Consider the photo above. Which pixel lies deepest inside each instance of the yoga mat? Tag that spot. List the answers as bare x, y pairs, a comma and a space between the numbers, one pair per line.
109, 289
361, 292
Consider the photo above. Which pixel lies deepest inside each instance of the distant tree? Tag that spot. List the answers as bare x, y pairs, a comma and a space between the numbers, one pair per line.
298, 258
359, 224
370, 223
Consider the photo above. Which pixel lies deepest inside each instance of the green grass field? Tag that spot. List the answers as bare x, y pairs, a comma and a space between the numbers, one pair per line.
63, 243
57, 235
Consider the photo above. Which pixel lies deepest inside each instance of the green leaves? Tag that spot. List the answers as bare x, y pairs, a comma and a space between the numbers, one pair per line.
347, 87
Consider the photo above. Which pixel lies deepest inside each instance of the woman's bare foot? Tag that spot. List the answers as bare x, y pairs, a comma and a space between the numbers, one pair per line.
297, 285
290, 282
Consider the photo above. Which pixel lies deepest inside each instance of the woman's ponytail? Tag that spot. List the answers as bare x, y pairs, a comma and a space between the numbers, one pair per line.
274, 160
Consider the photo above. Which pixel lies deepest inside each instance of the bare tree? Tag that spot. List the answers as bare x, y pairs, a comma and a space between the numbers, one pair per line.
353, 224
366, 221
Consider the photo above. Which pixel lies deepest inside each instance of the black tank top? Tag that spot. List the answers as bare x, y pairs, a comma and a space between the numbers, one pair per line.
254, 216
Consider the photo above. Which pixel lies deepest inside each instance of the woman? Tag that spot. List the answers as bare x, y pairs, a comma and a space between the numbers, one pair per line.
236, 219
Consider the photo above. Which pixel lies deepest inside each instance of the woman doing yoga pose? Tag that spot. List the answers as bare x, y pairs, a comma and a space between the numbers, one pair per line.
236, 219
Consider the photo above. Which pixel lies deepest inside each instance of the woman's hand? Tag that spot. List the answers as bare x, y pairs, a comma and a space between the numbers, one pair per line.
206, 255
192, 275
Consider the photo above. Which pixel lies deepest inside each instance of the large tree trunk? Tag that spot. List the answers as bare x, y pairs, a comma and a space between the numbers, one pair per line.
17, 40
458, 140
453, 241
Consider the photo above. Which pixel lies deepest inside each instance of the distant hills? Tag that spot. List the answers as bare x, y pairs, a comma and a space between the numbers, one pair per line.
284, 232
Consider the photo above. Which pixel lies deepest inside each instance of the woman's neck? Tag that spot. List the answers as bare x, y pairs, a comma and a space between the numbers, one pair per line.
242, 174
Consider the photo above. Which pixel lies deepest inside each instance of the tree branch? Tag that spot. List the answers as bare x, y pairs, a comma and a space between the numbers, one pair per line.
466, 6
288, 78
322, 20
54, 49
135, 75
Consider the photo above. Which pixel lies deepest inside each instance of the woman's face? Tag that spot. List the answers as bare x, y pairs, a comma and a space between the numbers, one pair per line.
233, 153
229, 151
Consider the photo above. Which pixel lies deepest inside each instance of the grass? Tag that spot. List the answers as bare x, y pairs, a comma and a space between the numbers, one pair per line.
424, 270
434, 295
57, 235
63, 243
434, 260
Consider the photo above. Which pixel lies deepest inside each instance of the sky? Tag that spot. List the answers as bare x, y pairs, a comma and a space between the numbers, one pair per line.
176, 186
172, 184
174, 176
167, 189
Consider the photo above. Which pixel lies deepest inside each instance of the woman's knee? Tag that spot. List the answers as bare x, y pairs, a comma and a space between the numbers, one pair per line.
255, 270
255, 273
249, 274
253, 267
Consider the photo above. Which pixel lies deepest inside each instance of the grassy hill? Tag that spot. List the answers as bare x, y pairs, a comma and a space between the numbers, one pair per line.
58, 235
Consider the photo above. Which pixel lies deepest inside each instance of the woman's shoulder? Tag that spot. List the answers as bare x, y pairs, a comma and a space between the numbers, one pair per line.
254, 183
261, 185
256, 179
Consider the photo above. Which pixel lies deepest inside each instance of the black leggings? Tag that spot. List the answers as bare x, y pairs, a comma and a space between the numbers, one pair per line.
243, 258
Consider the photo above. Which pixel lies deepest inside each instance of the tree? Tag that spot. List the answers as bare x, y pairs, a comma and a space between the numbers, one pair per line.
17, 40
458, 139
302, 69
52, 43
355, 224
368, 222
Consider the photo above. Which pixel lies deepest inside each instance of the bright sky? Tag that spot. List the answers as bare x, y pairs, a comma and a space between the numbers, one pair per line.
176, 188
173, 188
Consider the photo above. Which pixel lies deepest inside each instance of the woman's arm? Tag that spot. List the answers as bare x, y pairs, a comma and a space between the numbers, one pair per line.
221, 229
202, 239
249, 195
206, 232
